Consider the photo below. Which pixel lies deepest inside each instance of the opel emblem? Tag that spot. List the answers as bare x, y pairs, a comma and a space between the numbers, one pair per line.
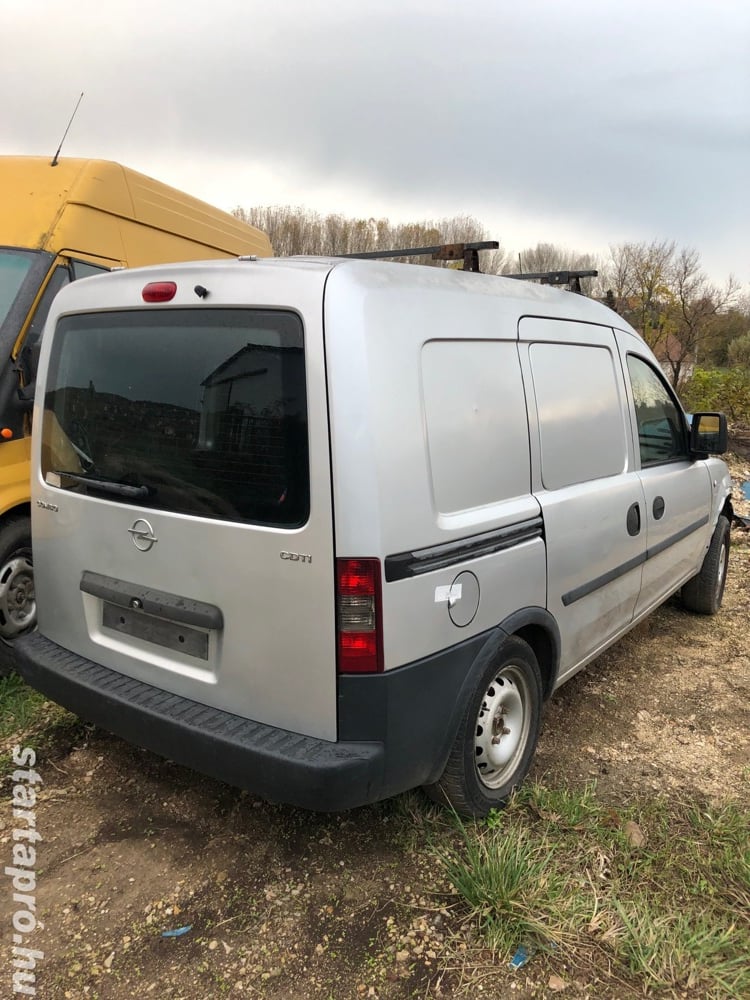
143, 535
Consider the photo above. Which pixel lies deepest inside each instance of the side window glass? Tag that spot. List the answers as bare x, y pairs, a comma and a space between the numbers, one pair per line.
81, 269
60, 277
662, 435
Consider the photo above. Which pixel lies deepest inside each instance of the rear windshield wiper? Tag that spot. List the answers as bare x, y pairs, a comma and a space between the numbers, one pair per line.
106, 486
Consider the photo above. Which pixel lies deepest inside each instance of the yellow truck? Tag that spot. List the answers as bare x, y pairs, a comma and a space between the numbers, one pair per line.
61, 222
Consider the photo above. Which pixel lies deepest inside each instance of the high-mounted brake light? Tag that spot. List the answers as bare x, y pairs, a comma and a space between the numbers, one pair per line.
359, 616
159, 291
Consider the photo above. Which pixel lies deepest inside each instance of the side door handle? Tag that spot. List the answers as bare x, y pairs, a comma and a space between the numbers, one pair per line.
633, 520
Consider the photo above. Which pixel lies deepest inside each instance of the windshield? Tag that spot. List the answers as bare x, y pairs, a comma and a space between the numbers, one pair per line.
14, 266
197, 411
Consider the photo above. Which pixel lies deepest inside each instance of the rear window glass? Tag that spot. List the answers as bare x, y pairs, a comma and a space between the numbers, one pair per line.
199, 411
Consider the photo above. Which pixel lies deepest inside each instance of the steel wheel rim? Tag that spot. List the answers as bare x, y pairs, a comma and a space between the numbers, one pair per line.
502, 726
17, 597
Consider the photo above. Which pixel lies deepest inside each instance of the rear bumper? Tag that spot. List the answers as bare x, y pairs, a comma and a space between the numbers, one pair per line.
273, 763
395, 729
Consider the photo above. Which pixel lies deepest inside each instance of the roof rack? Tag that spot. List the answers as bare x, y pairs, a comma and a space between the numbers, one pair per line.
445, 251
570, 278
470, 254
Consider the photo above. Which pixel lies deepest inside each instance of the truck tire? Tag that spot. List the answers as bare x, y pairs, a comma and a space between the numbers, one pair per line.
704, 592
497, 735
17, 597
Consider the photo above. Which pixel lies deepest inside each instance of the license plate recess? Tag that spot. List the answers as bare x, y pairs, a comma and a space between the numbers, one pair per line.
170, 635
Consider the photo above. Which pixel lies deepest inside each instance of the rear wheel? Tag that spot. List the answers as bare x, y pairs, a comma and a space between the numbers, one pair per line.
17, 596
706, 589
497, 736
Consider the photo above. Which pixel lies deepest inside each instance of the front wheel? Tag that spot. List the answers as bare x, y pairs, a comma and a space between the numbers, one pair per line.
706, 589
497, 736
17, 596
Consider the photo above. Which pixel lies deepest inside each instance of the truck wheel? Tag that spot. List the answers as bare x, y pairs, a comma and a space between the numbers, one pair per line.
17, 598
497, 736
704, 592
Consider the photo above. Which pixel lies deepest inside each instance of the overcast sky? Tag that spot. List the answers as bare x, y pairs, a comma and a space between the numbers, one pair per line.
580, 123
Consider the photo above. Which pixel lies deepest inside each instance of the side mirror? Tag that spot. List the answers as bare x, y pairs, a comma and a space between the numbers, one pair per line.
29, 359
28, 365
708, 434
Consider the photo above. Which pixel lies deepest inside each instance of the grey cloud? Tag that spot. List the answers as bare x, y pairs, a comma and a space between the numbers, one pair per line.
627, 117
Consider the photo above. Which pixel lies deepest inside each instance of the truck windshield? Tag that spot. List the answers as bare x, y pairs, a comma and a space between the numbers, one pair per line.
199, 411
14, 266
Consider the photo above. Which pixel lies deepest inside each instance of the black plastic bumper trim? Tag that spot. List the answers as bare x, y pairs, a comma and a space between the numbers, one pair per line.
395, 729
273, 763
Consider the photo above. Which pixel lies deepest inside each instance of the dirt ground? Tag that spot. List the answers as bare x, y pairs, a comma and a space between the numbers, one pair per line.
282, 903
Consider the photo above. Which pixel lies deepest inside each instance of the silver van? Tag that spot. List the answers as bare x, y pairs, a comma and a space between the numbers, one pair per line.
333, 529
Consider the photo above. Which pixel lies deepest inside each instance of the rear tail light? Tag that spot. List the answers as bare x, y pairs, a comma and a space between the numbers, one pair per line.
359, 616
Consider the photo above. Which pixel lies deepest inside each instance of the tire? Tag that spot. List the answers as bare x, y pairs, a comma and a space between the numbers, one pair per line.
497, 735
17, 597
704, 592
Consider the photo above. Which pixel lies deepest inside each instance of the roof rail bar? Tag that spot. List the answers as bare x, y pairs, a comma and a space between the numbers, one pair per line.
444, 251
570, 278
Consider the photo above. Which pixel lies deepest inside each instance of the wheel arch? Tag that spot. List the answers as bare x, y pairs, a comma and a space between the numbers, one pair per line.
16, 512
728, 510
539, 630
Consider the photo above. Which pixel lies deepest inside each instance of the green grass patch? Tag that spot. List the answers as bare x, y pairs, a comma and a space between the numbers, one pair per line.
515, 892
20, 705
657, 894
27, 715
686, 949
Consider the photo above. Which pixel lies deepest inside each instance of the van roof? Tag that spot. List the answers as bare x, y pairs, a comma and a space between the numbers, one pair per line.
36, 194
375, 277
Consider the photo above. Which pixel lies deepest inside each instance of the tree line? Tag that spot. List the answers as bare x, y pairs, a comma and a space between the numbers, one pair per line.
660, 288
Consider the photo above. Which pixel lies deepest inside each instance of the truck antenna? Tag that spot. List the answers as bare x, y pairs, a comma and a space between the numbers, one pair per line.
54, 158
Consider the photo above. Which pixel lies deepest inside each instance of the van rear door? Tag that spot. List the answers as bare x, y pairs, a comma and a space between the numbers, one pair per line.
185, 524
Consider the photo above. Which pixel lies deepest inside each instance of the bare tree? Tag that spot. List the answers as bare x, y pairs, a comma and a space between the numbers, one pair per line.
660, 289
638, 275
301, 231
696, 303
664, 293
546, 257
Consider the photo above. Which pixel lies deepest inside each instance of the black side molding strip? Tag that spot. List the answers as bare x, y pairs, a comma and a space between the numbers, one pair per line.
601, 581
674, 539
153, 602
404, 565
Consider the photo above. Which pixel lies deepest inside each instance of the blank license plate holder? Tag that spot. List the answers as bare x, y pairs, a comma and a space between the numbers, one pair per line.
170, 635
